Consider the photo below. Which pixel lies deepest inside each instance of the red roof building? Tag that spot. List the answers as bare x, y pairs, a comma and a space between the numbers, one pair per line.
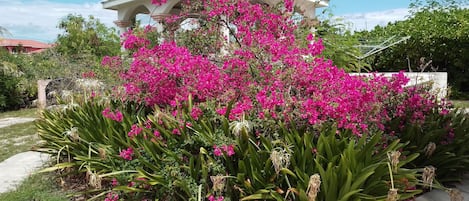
16, 46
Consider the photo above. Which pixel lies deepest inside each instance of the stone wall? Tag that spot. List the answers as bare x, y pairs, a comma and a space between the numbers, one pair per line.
41, 93
64, 89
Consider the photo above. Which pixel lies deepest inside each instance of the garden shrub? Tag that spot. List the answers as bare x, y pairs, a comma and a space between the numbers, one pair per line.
19, 87
10, 93
271, 83
176, 158
439, 136
88, 134
252, 165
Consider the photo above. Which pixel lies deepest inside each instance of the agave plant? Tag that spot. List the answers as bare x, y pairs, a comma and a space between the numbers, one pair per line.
82, 138
185, 158
348, 168
440, 140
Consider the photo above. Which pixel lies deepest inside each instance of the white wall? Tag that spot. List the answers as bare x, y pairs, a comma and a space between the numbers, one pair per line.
439, 80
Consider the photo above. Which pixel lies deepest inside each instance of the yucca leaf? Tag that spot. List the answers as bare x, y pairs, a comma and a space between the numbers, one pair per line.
347, 196
360, 179
257, 196
59, 166
345, 187
129, 189
288, 172
118, 173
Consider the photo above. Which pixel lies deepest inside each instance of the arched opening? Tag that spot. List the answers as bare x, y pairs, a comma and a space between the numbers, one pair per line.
140, 16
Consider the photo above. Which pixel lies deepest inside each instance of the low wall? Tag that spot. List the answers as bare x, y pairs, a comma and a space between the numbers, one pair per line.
41, 93
64, 88
439, 80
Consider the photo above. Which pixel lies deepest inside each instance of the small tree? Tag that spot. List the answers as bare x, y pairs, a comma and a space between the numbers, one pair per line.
3, 31
86, 36
81, 46
10, 78
437, 32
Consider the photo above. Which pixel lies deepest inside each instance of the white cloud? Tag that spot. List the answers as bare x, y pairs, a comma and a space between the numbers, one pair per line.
38, 20
367, 21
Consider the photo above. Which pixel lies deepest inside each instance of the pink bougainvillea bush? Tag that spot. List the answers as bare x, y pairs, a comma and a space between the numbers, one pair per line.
261, 75
264, 74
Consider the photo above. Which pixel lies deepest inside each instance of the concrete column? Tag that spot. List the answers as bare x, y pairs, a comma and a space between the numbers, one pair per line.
123, 25
225, 31
440, 83
10, 49
158, 18
41, 93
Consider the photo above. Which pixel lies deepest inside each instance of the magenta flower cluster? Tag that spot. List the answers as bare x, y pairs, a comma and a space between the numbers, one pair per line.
112, 196
227, 149
127, 154
158, 2
134, 131
213, 198
116, 115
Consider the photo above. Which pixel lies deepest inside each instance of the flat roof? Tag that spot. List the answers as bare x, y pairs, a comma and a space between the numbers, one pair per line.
25, 43
116, 4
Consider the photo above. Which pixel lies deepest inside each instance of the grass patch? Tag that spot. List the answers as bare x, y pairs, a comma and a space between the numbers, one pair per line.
37, 187
30, 112
461, 103
23, 137
17, 138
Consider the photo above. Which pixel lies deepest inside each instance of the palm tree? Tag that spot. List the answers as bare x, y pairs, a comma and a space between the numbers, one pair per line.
4, 31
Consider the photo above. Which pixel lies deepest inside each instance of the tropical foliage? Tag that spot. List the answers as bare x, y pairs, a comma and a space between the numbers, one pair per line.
267, 118
77, 53
3, 31
438, 42
14, 89
84, 36
212, 157
10, 95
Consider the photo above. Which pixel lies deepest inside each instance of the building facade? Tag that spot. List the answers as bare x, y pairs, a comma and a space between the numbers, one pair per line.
18, 46
127, 10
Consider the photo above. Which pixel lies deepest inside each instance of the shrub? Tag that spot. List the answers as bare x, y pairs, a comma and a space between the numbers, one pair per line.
439, 139
185, 156
10, 94
88, 135
265, 73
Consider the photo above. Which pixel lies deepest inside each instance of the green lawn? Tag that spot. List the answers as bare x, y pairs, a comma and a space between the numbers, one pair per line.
30, 113
461, 103
38, 187
19, 138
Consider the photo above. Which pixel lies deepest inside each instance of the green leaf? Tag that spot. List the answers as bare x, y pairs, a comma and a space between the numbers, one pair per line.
347, 196
59, 166
257, 196
361, 179
287, 171
130, 189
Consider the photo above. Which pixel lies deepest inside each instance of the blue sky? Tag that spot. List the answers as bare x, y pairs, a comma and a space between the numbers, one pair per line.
338, 6
38, 19
341, 7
